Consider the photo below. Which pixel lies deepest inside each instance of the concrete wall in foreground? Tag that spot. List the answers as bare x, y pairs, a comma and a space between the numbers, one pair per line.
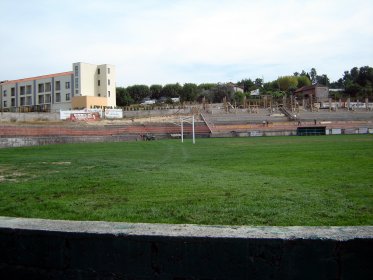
42, 249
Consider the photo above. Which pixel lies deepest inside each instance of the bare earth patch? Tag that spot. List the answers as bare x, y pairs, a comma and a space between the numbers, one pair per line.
8, 174
58, 162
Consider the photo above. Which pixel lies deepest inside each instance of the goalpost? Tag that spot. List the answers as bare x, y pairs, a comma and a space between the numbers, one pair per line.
187, 120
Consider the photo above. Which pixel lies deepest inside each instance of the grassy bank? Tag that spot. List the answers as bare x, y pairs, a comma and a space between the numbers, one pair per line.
324, 180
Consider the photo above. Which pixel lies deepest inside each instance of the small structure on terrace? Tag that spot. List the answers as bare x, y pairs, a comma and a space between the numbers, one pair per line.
316, 93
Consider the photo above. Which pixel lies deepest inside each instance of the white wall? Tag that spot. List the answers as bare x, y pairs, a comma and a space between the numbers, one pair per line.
107, 75
89, 77
87, 81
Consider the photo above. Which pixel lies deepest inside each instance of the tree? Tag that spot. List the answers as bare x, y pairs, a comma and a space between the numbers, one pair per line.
270, 86
365, 77
278, 94
171, 90
138, 92
347, 77
155, 91
354, 73
247, 84
258, 82
206, 86
353, 89
238, 97
189, 92
313, 75
205, 91
123, 97
304, 73
359, 82
287, 83
323, 79
219, 92
337, 84
303, 81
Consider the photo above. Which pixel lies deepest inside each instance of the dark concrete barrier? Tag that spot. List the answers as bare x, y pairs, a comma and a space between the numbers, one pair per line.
46, 249
14, 142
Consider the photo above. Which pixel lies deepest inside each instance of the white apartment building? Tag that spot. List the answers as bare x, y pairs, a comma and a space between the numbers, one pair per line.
87, 86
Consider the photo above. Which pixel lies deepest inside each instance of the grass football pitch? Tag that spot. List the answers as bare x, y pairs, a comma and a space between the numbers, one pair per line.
282, 181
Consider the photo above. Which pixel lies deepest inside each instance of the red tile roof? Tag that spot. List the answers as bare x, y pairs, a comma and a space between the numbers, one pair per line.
38, 78
305, 88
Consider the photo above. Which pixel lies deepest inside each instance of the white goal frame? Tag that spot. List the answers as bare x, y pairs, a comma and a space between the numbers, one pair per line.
187, 120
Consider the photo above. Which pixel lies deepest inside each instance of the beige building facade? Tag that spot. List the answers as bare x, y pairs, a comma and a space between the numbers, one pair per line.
87, 86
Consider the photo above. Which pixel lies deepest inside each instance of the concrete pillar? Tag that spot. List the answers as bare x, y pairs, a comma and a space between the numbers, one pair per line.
270, 104
330, 104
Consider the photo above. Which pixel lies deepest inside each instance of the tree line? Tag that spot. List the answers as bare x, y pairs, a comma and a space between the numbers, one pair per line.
358, 82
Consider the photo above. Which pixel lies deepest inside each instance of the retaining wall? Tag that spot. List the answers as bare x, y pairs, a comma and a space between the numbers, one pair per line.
253, 133
155, 113
42, 116
13, 142
26, 117
45, 249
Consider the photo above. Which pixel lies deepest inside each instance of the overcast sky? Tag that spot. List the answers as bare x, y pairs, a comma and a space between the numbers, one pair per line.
168, 41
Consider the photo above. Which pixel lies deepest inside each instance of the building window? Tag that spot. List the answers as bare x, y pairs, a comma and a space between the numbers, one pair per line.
5, 104
67, 96
48, 87
4, 92
67, 85
13, 102
76, 82
76, 71
29, 100
58, 85
28, 89
108, 93
41, 99
108, 82
12, 91
98, 71
23, 101
58, 97
99, 94
108, 70
22, 90
76, 91
40, 88
98, 82
47, 98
